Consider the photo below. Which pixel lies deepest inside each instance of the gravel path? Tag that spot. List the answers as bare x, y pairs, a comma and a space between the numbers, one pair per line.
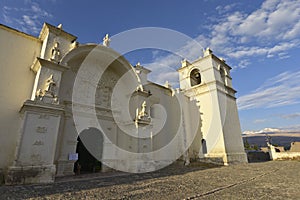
268, 180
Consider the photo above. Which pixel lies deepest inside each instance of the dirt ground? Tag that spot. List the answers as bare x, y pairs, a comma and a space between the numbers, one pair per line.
267, 180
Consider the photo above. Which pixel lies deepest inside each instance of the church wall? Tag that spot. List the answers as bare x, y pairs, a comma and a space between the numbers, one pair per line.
192, 128
212, 125
18, 52
164, 110
232, 139
207, 95
233, 143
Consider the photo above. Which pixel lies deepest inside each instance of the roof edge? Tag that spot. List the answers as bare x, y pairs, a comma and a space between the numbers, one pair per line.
18, 32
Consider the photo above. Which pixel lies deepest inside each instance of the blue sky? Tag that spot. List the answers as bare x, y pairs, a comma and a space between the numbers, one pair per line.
259, 39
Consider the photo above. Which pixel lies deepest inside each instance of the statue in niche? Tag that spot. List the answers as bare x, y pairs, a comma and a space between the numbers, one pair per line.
106, 40
50, 85
48, 90
55, 53
142, 115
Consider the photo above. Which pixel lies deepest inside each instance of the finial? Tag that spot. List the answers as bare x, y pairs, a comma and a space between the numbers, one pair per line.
207, 52
106, 40
223, 60
167, 84
184, 62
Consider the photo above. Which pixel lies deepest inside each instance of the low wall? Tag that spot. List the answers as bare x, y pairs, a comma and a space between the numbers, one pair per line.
286, 155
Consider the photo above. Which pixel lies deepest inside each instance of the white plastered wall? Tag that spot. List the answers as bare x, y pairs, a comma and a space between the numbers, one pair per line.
18, 52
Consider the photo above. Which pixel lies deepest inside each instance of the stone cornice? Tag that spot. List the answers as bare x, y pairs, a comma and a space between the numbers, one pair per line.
40, 106
38, 62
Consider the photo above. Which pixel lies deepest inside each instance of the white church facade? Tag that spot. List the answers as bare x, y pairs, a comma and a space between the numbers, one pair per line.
52, 120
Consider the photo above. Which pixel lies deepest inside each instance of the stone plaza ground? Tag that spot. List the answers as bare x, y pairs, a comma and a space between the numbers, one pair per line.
265, 180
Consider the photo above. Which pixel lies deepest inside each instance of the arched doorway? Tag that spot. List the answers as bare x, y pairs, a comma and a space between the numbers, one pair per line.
204, 147
89, 148
69, 142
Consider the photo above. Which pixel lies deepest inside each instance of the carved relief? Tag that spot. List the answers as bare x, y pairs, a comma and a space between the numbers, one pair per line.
38, 143
41, 129
44, 116
104, 89
102, 96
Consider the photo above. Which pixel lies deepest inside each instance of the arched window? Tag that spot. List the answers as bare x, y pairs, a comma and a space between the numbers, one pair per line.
223, 74
195, 77
204, 147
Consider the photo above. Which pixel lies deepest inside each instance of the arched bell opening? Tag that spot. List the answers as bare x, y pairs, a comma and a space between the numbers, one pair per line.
195, 77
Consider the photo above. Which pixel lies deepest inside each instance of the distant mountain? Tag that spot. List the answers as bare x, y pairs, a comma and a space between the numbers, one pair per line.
278, 137
265, 131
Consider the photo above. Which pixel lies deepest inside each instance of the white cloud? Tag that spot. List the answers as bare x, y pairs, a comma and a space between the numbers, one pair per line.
278, 49
281, 90
225, 9
274, 18
165, 70
291, 116
258, 121
29, 18
268, 32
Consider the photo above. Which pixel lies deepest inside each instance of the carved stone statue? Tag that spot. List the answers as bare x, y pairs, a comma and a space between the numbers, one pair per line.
50, 85
48, 91
142, 116
143, 113
106, 40
138, 71
55, 53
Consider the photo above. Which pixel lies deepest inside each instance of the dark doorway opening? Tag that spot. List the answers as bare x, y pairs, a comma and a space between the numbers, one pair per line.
89, 148
204, 147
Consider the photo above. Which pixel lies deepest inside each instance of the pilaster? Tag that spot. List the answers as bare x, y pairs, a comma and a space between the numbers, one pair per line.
34, 159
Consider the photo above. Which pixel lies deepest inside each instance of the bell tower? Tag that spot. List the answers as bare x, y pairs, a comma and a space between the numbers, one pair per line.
208, 81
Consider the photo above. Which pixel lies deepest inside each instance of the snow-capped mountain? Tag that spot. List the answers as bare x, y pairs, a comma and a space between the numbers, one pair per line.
265, 130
